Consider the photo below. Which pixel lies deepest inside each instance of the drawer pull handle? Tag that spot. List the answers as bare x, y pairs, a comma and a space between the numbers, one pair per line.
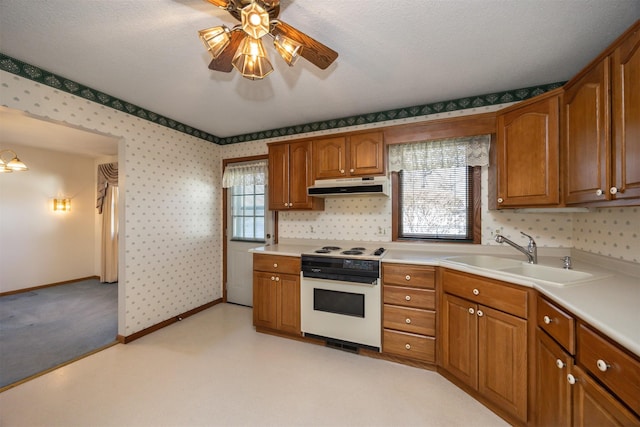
407, 277
480, 313
407, 321
476, 292
471, 310
408, 298
546, 320
560, 364
571, 379
602, 365
407, 346
599, 192
275, 265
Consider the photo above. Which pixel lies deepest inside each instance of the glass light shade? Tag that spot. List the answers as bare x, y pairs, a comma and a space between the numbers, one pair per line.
255, 20
251, 59
16, 165
215, 39
12, 165
61, 205
288, 49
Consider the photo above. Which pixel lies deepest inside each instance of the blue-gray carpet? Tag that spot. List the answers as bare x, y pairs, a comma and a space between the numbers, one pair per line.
47, 327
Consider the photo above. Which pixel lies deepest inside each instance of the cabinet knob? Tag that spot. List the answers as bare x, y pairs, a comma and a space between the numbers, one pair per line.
546, 320
571, 379
341, 170
613, 190
407, 321
277, 279
602, 365
407, 346
407, 277
471, 310
560, 364
275, 265
352, 170
273, 278
500, 200
480, 313
476, 292
599, 192
408, 298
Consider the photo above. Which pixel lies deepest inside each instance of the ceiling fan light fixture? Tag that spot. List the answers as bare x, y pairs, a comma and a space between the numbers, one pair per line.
288, 49
251, 59
255, 20
215, 39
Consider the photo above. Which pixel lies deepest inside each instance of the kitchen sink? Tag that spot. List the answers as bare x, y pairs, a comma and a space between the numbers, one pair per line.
552, 275
486, 261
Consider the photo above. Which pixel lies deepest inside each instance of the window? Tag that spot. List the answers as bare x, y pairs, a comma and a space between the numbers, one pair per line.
247, 184
248, 212
437, 188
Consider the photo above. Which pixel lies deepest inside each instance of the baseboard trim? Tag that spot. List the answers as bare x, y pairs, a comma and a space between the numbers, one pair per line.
35, 288
128, 338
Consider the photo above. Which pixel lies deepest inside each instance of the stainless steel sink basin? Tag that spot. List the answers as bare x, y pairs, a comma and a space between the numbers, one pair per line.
486, 261
552, 275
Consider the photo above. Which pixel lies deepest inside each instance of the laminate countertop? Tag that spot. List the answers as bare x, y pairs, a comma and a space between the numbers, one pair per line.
609, 301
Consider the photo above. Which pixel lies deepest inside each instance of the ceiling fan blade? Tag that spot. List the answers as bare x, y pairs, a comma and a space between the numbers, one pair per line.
312, 50
220, 3
223, 62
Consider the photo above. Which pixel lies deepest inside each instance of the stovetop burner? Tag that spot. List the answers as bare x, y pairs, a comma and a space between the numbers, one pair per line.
352, 252
323, 251
359, 252
359, 249
331, 248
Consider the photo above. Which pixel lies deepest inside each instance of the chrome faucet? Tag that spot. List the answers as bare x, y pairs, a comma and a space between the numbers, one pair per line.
531, 251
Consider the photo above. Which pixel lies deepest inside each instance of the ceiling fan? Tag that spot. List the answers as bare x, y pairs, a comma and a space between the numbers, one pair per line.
241, 47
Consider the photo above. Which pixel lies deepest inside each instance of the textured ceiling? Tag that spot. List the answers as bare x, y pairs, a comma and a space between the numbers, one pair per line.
393, 54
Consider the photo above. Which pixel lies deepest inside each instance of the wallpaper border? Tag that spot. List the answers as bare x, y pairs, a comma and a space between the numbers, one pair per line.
39, 75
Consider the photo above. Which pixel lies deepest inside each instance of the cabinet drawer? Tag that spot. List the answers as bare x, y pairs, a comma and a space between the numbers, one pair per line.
276, 263
410, 319
410, 297
557, 323
491, 293
621, 371
409, 345
408, 275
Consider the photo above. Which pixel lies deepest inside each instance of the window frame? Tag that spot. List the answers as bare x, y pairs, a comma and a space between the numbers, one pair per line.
254, 216
475, 216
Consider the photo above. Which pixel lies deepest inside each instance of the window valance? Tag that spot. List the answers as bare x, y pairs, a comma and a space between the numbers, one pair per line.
439, 154
107, 175
249, 173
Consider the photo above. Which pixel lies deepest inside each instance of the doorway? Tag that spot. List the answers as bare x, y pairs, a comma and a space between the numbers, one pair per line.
248, 224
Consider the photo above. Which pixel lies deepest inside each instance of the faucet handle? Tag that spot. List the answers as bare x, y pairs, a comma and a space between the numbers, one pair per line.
567, 262
526, 235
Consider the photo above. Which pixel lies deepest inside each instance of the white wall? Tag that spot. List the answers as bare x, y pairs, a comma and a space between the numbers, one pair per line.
40, 246
170, 240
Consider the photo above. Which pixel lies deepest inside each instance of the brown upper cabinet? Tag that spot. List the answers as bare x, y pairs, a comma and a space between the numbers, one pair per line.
527, 152
349, 156
290, 173
601, 127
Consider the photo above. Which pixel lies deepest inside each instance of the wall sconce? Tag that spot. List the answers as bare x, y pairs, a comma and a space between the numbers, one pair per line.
61, 205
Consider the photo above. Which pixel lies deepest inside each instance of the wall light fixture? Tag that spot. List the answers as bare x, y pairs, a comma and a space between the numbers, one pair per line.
11, 164
61, 205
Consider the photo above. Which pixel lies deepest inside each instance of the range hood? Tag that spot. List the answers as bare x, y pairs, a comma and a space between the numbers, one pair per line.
371, 186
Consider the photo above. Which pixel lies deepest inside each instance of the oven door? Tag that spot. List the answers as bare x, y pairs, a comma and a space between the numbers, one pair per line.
341, 310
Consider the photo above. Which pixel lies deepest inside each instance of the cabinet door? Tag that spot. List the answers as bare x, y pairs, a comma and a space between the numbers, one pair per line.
460, 339
528, 151
626, 118
594, 406
278, 176
330, 157
366, 154
289, 303
502, 360
587, 138
553, 391
300, 175
264, 300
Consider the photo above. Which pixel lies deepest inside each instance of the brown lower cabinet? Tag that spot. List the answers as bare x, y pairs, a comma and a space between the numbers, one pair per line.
485, 348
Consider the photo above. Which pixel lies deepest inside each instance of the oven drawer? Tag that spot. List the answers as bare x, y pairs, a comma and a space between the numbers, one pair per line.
410, 297
276, 263
410, 319
611, 365
408, 275
409, 345
557, 323
494, 294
